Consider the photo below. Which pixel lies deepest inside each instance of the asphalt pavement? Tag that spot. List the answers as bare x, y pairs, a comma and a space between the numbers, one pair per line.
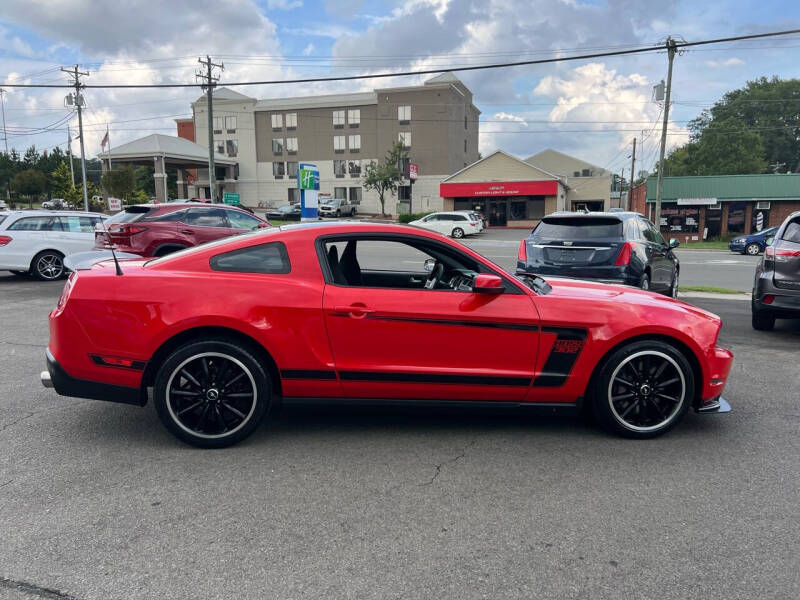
98, 501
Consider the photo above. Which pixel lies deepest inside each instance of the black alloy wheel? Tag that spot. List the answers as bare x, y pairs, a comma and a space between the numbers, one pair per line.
643, 389
211, 394
48, 265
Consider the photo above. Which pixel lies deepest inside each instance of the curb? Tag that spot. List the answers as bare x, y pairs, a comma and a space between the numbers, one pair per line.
713, 296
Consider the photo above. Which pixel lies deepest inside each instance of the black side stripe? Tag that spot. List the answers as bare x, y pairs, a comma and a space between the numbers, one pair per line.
307, 374
568, 345
461, 323
434, 378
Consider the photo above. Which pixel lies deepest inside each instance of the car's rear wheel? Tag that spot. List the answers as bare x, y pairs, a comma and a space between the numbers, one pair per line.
211, 394
752, 249
643, 389
762, 320
458, 233
48, 265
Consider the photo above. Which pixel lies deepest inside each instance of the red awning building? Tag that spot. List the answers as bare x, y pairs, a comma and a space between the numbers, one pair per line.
508, 191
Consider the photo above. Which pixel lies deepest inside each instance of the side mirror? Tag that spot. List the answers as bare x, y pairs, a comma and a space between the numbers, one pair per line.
770, 240
486, 283
263, 225
429, 264
674, 243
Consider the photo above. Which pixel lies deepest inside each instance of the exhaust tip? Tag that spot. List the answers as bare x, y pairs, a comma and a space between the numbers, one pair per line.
47, 382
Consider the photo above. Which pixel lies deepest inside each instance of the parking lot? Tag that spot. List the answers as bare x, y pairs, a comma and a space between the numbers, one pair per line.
98, 501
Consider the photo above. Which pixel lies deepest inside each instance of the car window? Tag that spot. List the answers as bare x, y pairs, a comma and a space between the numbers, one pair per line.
577, 228
48, 223
77, 224
170, 217
654, 234
2, 218
264, 258
240, 220
206, 217
792, 233
632, 229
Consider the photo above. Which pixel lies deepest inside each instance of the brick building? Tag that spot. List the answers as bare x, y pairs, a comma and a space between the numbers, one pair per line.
713, 206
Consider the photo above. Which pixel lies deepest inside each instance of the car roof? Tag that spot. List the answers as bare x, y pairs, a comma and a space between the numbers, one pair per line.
582, 215
46, 212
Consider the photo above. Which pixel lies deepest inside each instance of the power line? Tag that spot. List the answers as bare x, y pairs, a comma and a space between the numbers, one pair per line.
620, 52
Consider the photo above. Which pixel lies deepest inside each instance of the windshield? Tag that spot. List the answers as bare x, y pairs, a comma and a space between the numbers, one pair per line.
577, 228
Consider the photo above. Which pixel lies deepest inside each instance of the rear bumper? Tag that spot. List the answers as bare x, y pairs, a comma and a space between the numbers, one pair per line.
65, 385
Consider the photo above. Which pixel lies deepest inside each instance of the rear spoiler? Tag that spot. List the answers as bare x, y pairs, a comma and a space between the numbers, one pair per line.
83, 261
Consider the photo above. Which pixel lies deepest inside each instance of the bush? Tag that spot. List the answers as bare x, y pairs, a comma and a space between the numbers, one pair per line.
408, 217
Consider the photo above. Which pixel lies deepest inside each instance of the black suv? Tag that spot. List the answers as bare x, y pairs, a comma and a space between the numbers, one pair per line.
618, 247
776, 292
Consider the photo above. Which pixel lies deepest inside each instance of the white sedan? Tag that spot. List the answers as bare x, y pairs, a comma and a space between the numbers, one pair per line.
454, 224
35, 242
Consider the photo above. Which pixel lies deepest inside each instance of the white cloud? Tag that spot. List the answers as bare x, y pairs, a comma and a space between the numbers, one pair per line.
284, 4
308, 50
14, 45
504, 116
730, 62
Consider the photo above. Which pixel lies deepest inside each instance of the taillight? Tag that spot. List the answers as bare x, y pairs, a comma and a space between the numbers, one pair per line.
787, 253
768, 299
769, 252
624, 257
522, 254
4, 240
128, 229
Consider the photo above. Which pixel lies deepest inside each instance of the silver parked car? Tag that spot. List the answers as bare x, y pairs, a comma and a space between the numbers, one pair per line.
776, 291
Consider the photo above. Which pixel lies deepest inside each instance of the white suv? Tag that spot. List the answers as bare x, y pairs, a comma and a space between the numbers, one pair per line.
36, 242
454, 224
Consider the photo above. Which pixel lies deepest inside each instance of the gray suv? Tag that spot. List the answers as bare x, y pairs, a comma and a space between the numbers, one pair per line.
776, 291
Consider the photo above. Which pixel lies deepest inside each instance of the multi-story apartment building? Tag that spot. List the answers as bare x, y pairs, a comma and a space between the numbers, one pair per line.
437, 123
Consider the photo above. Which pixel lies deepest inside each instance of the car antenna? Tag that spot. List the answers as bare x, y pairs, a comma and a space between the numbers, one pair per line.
111, 246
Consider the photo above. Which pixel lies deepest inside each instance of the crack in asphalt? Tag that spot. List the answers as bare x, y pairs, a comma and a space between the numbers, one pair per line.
29, 345
438, 467
28, 416
36, 590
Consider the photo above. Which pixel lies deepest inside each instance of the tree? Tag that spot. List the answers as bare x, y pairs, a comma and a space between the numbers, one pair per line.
61, 181
119, 182
30, 183
385, 176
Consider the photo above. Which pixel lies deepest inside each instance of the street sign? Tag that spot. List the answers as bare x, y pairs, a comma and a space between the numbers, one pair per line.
230, 198
114, 204
413, 171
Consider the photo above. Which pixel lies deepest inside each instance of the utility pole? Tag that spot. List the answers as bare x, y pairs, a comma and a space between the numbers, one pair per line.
69, 151
671, 49
76, 80
208, 85
3, 103
630, 187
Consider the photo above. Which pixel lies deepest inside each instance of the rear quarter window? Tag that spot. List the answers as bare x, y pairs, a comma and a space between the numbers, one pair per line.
578, 229
792, 233
271, 258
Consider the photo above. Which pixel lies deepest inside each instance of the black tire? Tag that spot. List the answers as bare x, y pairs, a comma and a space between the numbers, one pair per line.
353, 212
48, 265
644, 282
458, 233
168, 250
338, 212
642, 390
672, 292
752, 249
762, 320
21, 273
192, 404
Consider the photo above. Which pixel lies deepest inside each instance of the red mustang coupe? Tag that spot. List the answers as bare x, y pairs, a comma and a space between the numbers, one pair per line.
372, 312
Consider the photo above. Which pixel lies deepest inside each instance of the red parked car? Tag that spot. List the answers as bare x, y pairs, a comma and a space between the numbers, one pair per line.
372, 312
160, 229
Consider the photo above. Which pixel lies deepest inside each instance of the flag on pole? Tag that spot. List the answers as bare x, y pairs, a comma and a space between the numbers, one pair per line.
105, 140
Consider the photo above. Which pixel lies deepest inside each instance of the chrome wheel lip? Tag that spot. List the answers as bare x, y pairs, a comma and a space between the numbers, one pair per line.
52, 268
245, 421
671, 417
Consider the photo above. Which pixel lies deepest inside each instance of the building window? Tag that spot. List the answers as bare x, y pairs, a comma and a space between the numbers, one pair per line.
404, 114
465, 145
354, 168
354, 117
218, 124
232, 147
404, 193
355, 143
518, 211
338, 119
338, 143
291, 169
277, 145
402, 165
465, 121
291, 145
586, 173
404, 137
277, 122
230, 124
294, 196
339, 167
576, 174
340, 193
355, 195
278, 170
291, 121
219, 146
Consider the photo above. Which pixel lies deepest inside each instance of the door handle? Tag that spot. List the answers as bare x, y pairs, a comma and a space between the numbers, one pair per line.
187, 231
416, 279
353, 311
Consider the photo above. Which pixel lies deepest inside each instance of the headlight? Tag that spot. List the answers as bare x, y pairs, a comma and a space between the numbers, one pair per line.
739, 241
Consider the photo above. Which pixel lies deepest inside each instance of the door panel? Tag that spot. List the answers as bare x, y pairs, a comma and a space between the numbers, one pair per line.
430, 344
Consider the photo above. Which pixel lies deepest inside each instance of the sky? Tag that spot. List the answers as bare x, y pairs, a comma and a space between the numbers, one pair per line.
591, 109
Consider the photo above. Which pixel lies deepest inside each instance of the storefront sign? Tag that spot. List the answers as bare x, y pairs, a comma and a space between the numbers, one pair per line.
696, 201
308, 182
413, 171
114, 204
499, 188
680, 220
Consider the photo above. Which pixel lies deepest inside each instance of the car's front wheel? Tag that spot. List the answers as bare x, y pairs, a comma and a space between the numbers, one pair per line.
752, 249
673, 288
458, 233
211, 394
48, 265
643, 389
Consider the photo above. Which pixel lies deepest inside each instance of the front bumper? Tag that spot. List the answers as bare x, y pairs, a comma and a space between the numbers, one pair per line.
737, 247
65, 385
716, 406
